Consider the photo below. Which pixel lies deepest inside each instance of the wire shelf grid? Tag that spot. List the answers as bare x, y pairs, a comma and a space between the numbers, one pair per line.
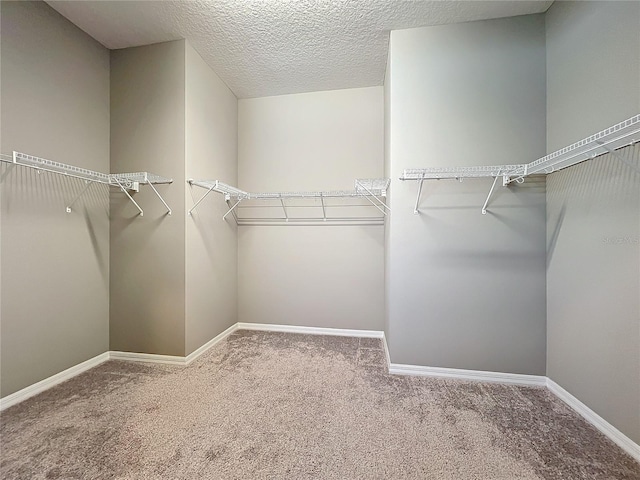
438, 173
124, 181
609, 140
612, 138
364, 188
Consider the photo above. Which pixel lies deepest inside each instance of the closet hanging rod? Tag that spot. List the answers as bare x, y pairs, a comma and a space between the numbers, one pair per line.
125, 181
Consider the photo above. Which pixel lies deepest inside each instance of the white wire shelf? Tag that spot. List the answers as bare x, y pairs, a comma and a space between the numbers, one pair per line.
318, 207
609, 140
125, 181
613, 138
439, 173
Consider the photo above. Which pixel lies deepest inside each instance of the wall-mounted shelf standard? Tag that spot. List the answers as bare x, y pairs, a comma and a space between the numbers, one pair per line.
316, 207
127, 182
607, 141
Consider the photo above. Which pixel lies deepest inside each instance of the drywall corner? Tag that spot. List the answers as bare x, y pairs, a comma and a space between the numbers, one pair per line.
211, 242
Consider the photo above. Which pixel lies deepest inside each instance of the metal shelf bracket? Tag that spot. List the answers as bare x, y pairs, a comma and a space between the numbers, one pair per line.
160, 197
126, 192
360, 185
415, 208
493, 186
191, 182
86, 187
231, 209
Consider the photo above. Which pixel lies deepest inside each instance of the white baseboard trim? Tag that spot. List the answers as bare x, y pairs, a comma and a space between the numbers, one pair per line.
387, 355
473, 375
217, 339
52, 381
172, 359
147, 357
596, 420
342, 332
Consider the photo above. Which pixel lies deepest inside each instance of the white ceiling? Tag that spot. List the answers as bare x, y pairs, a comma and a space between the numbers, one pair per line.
274, 47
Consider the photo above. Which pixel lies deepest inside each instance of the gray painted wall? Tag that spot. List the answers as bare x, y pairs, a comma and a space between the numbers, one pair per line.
466, 290
593, 211
55, 266
147, 279
323, 276
211, 245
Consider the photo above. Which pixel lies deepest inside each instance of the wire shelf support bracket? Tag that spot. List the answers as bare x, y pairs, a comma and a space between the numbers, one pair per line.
86, 187
126, 182
493, 186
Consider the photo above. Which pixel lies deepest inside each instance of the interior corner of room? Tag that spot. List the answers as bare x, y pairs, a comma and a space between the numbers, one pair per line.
544, 287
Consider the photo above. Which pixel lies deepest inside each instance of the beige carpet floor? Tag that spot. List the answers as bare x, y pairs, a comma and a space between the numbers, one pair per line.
275, 405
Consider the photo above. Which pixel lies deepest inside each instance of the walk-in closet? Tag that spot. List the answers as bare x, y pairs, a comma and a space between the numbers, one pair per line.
320, 239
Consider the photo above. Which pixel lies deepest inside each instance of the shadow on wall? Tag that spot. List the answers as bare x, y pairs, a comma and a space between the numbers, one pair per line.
607, 179
26, 189
593, 191
35, 203
553, 239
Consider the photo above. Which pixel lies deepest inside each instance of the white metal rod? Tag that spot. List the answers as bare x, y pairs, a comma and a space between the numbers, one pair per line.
484, 207
130, 197
324, 213
371, 201
371, 193
201, 199
78, 196
233, 212
160, 197
231, 209
415, 209
285, 210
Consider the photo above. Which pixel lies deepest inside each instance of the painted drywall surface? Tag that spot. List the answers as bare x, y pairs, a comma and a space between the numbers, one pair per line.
583, 99
55, 266
212, 244
324, 276
593, 211
467, 290
147, 282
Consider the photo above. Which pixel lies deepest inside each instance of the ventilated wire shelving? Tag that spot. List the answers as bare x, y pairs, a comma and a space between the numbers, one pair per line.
127, 182
609, 140
282, 207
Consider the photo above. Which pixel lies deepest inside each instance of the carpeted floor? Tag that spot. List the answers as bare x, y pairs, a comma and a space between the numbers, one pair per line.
276, 405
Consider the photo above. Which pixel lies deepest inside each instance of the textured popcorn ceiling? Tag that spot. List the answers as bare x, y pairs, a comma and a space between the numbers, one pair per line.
274, 47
